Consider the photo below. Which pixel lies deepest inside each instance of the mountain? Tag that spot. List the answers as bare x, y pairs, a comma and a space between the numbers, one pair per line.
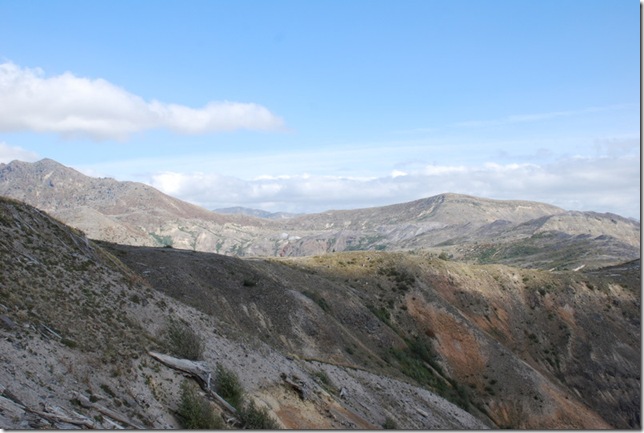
78, 329
258, 213
476, 230
125, 212
360, 339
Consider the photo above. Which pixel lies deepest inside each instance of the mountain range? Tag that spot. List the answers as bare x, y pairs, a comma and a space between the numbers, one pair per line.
471, 229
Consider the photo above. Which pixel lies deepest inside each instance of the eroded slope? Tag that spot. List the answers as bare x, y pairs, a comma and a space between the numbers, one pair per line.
518, 348
76, 325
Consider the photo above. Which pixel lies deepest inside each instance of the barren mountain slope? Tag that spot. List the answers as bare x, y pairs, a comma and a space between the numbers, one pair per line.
474, 229
76, 326
479, 230
124, 212
520, 348
570, 240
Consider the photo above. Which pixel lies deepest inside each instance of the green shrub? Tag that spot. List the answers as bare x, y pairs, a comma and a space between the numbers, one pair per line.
254, 418
389, 424
69, 343
195, 412
249, 283
381, 313
182, 341
318, 299
228, 386
323, 379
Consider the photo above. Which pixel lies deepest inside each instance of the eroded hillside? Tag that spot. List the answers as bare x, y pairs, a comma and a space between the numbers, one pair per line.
77, 327
517, 348
345, 340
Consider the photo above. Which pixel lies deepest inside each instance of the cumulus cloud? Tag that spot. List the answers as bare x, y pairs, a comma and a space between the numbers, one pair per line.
603, 184
95, 108
10, 153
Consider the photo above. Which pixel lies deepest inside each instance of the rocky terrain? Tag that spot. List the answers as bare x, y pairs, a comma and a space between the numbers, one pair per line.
362, 339
476, 230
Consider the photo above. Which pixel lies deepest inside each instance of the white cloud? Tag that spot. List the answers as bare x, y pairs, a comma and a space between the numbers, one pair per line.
601, 184
95, 108
443, 170
10, 153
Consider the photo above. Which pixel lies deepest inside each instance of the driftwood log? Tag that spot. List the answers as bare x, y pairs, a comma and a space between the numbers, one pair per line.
199, 372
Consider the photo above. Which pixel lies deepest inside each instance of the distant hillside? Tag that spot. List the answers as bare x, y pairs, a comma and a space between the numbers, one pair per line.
476, 230
258, 213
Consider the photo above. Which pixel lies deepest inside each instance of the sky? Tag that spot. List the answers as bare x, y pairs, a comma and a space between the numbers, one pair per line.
307, 106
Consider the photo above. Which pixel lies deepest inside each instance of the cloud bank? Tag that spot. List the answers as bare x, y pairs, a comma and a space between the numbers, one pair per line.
80, 107
604, 184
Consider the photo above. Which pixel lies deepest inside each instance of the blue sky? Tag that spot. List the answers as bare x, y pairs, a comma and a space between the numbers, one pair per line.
312, 105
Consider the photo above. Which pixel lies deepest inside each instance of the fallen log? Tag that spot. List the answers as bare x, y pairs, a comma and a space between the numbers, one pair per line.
8, 406
55, 418
193, 368
52, 414
199, 372
85, 402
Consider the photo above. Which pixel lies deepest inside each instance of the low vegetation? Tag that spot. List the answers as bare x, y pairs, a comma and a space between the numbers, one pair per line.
318, 299
249, 415
229, 387
182, 341
195, 412
255, 418
389, 424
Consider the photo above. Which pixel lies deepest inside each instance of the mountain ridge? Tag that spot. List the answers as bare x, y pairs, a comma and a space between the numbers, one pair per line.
137, 214
259, 213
